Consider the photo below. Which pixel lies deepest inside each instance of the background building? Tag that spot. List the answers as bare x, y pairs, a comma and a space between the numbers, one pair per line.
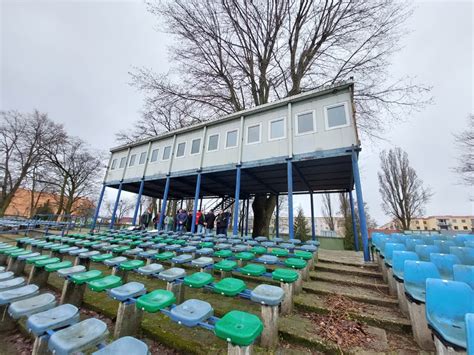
437, 223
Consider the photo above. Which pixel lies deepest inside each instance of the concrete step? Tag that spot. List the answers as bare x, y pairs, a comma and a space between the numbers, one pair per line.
351, 280
347, 269
348, 262
388, 318
357, 293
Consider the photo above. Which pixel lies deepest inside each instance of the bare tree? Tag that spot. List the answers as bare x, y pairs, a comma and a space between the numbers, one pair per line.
465, 143
24, 139
403, 194
234, 54
124, 207
328, 212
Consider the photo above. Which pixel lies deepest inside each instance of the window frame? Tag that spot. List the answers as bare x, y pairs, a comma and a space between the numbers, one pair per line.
218, 141
199, 146
177, 148
236, 141
157, 150
259, 124
132, 159
113, 164
315, 127
124, 160
169, 154
140, 158
270, 139
326, 116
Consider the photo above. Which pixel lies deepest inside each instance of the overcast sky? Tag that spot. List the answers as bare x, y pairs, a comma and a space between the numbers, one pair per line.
71, 59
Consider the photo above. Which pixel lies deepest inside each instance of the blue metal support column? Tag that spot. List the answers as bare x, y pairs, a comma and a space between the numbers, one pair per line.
137, 205
354, 223
277, 217
117, 200
291, 231
196, 201
313, 228
97, 209
235, 225
247, 217
360, 205
181, 205
164, 202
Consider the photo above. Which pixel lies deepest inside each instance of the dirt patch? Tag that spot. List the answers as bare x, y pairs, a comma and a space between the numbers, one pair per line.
23, 345
336, 326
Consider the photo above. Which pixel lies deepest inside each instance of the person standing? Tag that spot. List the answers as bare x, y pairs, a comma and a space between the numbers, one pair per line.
220, 223
181, 219
199, 222
169, 223
209, 219
145, 219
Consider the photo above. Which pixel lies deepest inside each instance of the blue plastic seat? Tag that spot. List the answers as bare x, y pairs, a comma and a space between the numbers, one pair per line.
78, 337
188, 249
172, 274
31, 305
464, 273
127, 291
12, 283
205, 251
26, 256
54, 318
466, 255
415, 275
7, 275
424, 251
223, 246
150, 269
267, 295
268, 244
88, 254
445, 263
115, 261
459, 240
78, 251
182, 259
447, 303
203, 261
310, 248
17, 294
124, 346
239, 248
191, 312
267, 259
71, 271
470, 332
289, 246
410, 243
398, 262
389, 249
444, 245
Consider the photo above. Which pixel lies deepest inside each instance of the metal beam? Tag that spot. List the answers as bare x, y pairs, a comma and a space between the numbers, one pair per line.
360, 205
260, 181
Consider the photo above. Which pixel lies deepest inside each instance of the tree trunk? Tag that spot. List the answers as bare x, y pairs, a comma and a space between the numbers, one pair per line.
61, 197
262, 207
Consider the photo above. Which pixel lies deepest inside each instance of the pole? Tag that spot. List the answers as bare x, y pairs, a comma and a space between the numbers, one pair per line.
164, 202
139, 198
360, 205
354, 224
236, 205
290, 198
313, 228
247, 217
277, 217
117, 200
97, 209
196, 200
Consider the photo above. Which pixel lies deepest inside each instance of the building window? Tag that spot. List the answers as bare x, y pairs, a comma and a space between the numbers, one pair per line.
114, 164
180, 150
231, 139
454, 220
424, 222
417, 222
213, 143
132, 160
196, 146
426, 228
465, 228
142, 158
253, 134
463, 220
154, 155
417, 227
456, 227
166, 152
336, 116
305, 123
276, 129
123, 161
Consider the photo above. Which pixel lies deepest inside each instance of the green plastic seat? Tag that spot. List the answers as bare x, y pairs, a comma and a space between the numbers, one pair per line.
105, 283
131, 265
57, 266
305, 255
87, 276
101, 257
13, 251
239, 328
253, 270
135, 243
295, 263
279, 252
259, 250
156, 300
245, 255
180, 242
10, 250
206, 244
89, 244
198, 279
44, 262
229, 286
225, 265
19, 253
223, 253
34, 259
285, 275
168, 241
164, 256
121, 249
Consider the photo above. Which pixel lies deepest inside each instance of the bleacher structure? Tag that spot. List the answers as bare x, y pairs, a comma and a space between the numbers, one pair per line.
433, 278
303, 144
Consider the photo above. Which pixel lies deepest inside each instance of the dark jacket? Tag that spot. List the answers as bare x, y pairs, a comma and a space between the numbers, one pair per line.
209, 219
181, 218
